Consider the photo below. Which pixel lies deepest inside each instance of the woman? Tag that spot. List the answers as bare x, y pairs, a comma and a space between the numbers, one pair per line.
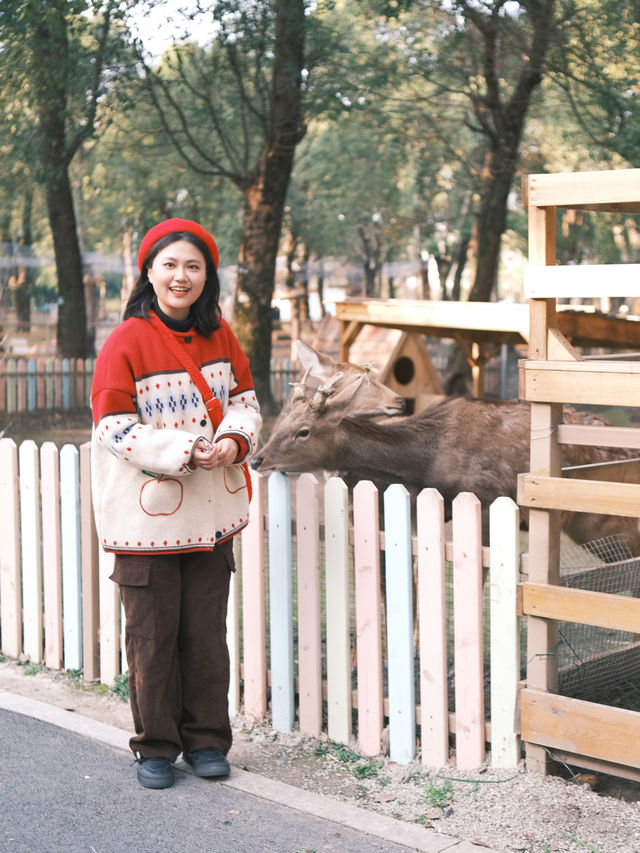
175, 415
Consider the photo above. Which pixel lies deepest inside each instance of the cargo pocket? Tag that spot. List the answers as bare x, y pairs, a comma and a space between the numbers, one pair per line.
133, 574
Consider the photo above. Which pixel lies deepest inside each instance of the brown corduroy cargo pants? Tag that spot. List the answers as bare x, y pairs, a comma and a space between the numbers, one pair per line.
175, 607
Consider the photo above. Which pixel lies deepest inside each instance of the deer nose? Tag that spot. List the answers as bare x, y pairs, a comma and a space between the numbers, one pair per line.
256, 462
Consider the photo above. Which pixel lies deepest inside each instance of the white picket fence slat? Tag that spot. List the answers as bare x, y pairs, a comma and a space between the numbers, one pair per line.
30, 533
398, 577
10, 583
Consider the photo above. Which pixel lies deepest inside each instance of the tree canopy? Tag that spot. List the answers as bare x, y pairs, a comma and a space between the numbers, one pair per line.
369, 131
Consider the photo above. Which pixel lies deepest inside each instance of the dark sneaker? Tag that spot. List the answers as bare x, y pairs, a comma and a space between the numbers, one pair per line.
155, 772
207, 762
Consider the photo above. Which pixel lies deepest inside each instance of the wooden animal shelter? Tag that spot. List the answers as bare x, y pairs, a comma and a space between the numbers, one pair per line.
586, 734
479, 328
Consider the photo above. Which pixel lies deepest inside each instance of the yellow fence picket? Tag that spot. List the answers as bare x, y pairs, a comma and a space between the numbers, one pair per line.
467, 620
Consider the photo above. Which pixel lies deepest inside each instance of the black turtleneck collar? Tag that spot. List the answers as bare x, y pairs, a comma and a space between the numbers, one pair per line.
174, 325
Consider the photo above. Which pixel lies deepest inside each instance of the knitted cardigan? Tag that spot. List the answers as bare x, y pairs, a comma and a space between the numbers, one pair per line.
147, 417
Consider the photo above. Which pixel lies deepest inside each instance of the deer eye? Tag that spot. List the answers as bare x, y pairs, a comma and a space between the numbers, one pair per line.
305, 432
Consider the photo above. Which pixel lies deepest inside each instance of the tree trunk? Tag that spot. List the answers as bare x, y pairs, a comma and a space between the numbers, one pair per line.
492, 222
50, 93
264, 198
72, 317
25, 272
252, 318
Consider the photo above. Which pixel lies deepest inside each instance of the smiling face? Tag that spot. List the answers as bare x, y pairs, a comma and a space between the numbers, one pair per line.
178, 274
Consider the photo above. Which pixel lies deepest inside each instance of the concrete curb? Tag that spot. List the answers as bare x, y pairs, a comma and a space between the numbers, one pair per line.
413, 836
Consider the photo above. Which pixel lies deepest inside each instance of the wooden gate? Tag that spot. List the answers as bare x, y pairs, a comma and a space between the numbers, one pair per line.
586, 734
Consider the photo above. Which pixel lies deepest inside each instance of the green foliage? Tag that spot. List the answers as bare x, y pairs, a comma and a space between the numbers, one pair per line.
439, 796
121, 687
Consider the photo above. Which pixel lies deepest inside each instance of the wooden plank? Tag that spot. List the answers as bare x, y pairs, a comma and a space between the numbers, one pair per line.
51, 555
398, 586
505, 631
309, 609
467, 621
606, 610
599, 436
109, 621
608, 767
336, 518
611, 189
280, 602
601, 496
582, 382
366, 555
10, 581
31, 532
502, 322
253, 605
586, 728
584, 281
432, 609
71, 556
90, 572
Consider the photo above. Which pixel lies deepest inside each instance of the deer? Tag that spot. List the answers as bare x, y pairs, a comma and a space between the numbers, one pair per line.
458, 444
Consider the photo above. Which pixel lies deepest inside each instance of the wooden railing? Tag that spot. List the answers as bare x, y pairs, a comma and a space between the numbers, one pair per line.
335, 589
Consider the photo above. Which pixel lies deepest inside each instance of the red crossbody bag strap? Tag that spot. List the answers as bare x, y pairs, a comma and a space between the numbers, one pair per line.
212, 403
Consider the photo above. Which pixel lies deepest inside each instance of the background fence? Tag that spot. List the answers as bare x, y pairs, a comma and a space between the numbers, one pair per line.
335, 624
63, 384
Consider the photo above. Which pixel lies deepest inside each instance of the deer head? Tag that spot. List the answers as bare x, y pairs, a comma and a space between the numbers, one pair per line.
328, 392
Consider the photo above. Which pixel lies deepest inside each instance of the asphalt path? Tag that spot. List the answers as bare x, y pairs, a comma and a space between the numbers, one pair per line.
61, 791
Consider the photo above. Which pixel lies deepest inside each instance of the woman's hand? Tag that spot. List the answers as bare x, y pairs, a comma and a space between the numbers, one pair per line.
210, 456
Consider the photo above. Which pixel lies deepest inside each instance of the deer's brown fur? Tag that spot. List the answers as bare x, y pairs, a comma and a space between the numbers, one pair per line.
456, 445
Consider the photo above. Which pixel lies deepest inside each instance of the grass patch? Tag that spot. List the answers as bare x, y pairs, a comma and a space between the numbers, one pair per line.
439, 796
120, 687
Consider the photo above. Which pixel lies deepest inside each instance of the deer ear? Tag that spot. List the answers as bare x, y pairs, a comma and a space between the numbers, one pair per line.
317, 364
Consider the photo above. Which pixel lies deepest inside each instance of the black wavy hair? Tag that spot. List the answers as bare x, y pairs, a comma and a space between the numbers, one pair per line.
205, 311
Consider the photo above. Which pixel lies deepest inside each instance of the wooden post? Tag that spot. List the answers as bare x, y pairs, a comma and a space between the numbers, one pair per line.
544, 526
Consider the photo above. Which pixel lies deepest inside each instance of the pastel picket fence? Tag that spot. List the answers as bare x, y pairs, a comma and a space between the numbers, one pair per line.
337, 623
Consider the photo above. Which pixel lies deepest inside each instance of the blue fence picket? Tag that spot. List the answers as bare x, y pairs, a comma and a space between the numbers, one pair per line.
280, 602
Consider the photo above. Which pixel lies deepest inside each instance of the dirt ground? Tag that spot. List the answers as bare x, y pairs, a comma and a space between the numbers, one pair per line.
509, 810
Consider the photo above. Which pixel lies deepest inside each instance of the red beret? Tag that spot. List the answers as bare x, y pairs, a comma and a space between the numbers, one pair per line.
171, 226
